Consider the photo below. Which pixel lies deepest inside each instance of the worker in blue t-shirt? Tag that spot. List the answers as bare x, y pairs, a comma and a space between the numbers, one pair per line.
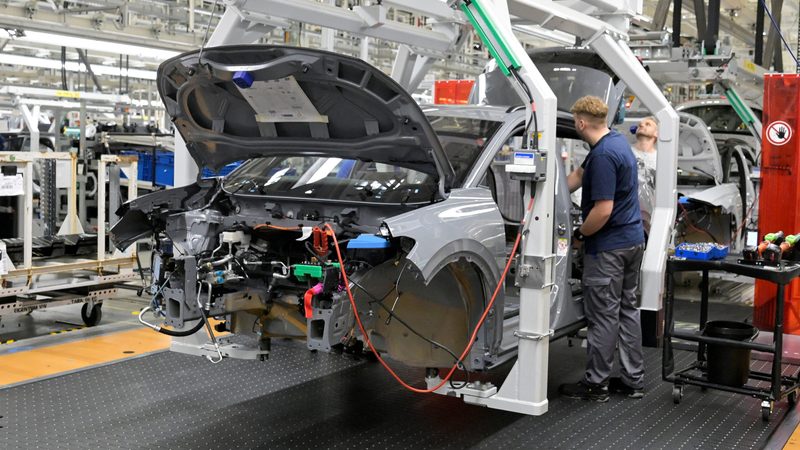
613, 247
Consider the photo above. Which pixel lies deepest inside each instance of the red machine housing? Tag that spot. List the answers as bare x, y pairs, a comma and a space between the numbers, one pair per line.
779, 199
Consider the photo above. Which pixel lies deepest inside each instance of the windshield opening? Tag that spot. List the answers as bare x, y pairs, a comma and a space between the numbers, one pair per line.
569, 82
463, 140
311, 177
322, 178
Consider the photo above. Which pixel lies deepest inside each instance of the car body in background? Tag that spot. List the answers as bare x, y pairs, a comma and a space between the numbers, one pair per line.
726, 126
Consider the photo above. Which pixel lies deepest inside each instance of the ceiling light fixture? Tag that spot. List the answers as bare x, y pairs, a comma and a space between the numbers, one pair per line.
72, 66
94, 45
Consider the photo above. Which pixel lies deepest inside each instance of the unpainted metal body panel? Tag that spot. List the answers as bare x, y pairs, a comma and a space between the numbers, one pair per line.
444, 257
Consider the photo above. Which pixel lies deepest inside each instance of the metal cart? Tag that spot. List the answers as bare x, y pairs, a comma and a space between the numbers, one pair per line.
696, 373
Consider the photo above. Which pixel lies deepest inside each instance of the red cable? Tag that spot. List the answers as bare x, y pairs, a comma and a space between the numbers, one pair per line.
474, 332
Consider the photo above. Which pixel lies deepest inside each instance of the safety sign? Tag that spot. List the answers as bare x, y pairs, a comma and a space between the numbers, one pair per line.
779, 132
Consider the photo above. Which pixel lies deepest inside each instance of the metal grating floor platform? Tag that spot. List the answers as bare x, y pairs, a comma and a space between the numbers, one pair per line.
299, 399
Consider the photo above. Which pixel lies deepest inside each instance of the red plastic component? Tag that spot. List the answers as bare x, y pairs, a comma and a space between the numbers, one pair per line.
309, 310
452, 92
779, 199
309, 295
320, 241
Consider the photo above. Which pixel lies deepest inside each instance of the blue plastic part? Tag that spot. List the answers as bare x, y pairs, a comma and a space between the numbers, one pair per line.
634, 128
243, 79
683, 200
704, 251
368, 241
208, 173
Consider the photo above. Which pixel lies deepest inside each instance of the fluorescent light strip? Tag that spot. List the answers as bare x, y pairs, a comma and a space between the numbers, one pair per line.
66, 105
100, 46
72, 66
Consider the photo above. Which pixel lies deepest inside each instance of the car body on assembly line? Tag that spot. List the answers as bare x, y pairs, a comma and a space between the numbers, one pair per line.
422, 210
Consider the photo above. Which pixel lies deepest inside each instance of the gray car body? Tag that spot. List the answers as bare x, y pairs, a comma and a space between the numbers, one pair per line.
462, 228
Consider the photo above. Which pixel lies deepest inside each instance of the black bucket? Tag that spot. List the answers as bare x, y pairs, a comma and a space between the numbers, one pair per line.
729, 366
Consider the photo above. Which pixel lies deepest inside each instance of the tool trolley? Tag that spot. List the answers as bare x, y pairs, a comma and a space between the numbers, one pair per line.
696, 373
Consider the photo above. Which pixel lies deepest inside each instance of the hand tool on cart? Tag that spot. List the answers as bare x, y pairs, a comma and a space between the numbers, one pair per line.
774, 252
755, 253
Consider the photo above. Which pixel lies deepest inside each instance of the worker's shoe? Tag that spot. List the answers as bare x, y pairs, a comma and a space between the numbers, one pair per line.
617, 386
585, 391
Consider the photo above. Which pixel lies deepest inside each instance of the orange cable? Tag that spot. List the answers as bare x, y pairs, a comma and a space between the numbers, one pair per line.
474, 332
276, 227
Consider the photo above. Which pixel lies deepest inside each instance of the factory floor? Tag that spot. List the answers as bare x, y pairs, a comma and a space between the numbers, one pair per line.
115, 385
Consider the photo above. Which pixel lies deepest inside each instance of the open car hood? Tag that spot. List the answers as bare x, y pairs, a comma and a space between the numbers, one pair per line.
252, 101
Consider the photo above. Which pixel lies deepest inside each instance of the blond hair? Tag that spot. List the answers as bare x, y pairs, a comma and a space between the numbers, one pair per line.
591, 107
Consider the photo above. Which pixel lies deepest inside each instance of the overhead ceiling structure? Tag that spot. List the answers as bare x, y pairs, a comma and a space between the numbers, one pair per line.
737, 22
122, 42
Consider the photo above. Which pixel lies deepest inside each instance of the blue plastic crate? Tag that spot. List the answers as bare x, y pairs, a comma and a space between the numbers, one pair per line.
208, 173
704, 251
143, 168
720, 251
165, 168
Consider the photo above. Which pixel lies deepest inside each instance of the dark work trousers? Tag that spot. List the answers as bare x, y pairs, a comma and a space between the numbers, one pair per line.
610, 280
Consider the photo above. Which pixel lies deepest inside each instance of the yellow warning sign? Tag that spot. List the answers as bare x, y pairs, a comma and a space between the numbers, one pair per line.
68, 94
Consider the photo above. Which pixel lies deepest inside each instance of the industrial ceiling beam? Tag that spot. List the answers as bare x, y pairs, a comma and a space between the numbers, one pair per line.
38, 19
365, 21
773, 56
758, 55
677, 12
660, 15
727, 25
700, 18
712, 26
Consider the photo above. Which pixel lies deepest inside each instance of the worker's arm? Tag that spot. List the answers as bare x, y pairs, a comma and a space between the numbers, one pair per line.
575, 179
598, 216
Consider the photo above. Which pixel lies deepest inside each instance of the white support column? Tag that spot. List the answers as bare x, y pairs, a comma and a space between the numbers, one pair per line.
618, 56
84, 171
525, 389
328, 34
186, 169
27, 229
364, 50
101, 209
71, 224
31, 119
191, 16
232, 29
410, 67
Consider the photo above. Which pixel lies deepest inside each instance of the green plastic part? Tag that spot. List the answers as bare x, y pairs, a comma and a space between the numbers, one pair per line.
490, 44
770, 237
739, 106
304, 271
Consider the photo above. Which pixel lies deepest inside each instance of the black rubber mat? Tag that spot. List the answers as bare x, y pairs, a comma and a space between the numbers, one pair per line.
301, 400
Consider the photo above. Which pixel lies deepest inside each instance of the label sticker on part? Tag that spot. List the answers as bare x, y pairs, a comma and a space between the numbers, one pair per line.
281, 100
562, 247
11, 186
779, 133
524, 158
